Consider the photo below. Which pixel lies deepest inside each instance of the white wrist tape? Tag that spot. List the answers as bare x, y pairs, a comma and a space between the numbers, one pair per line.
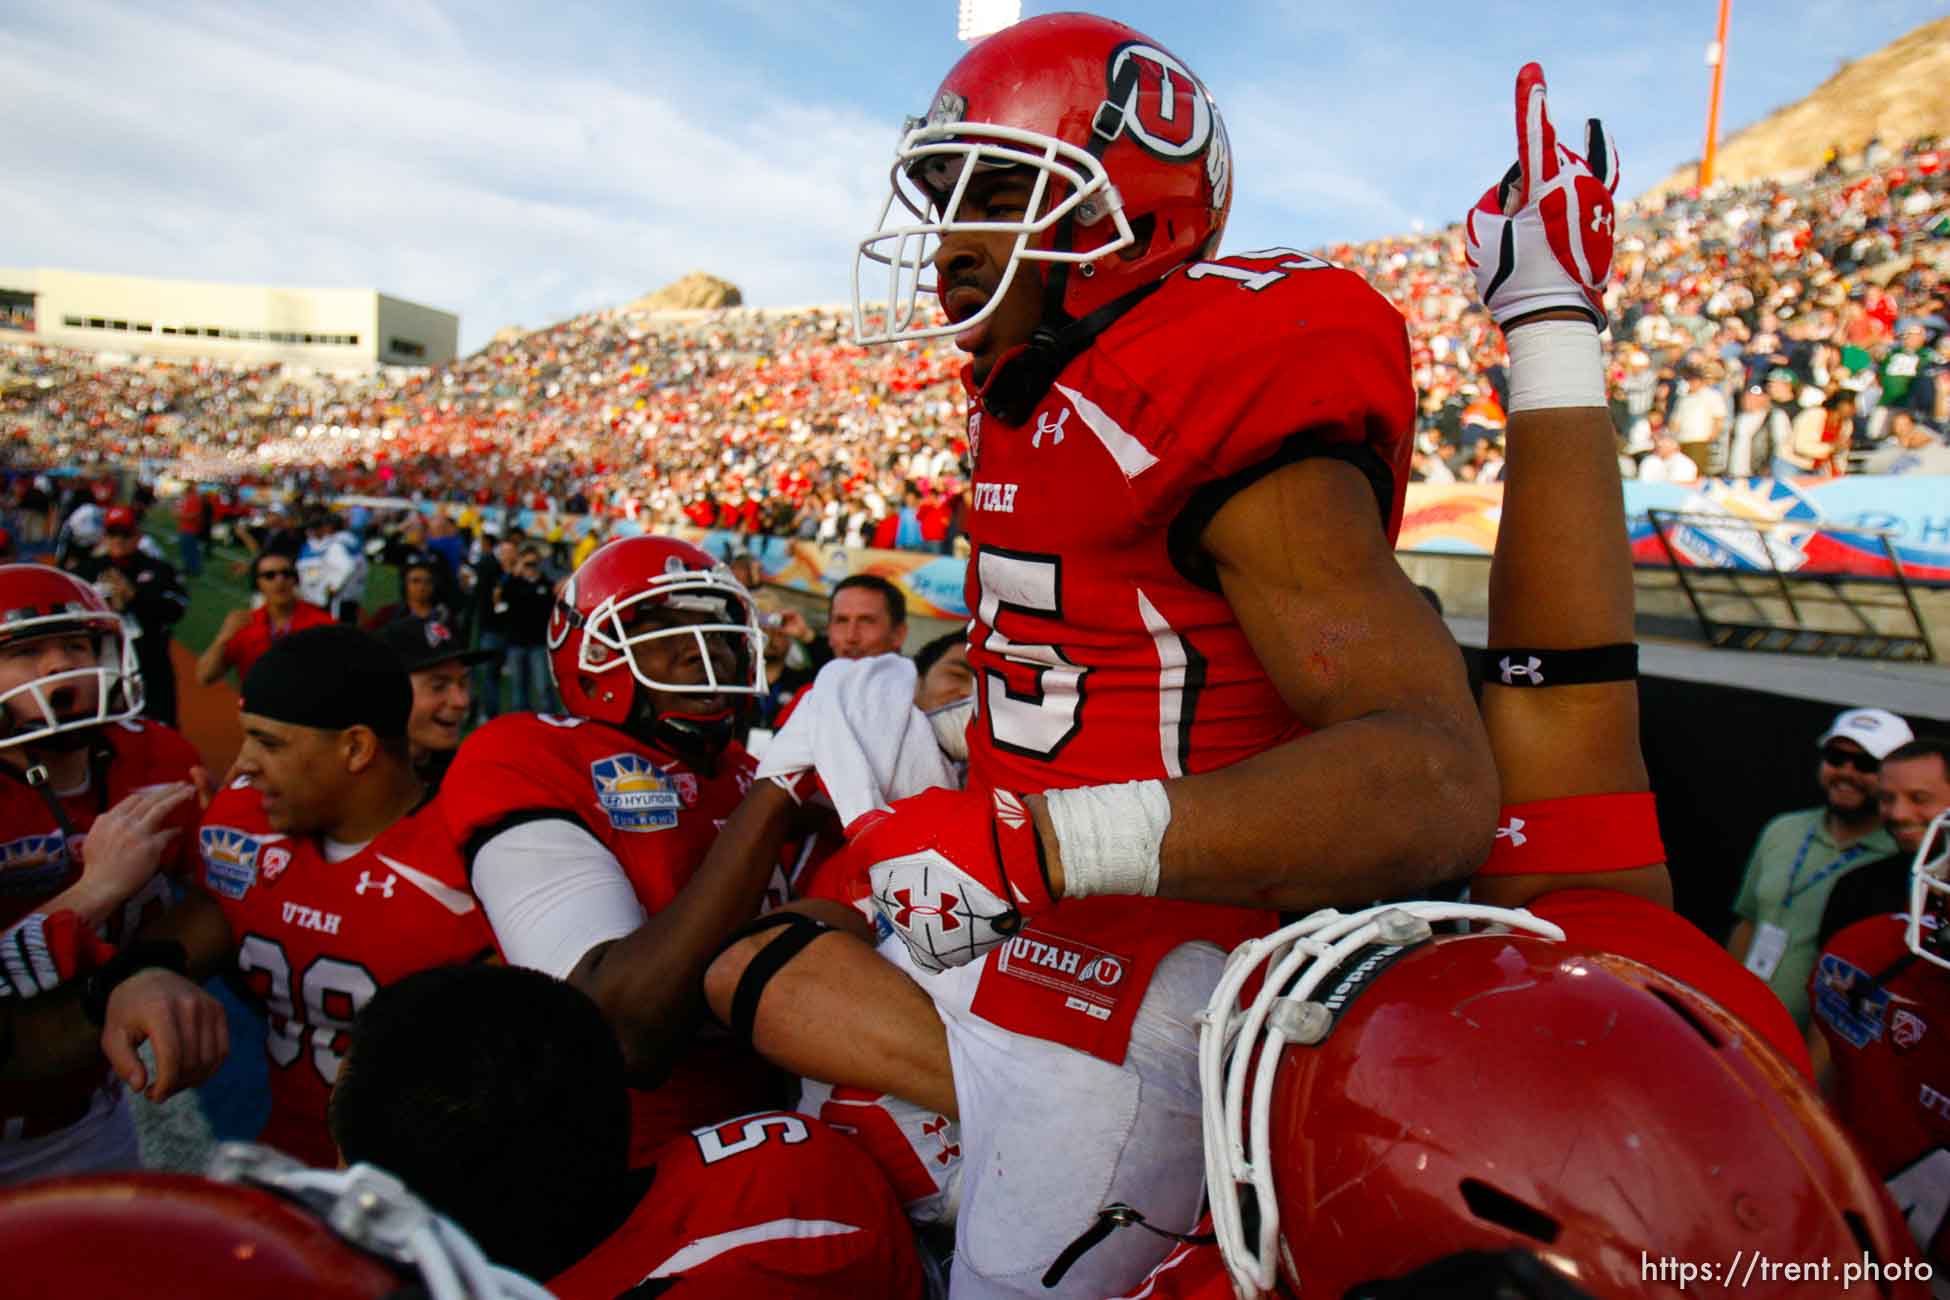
1109, 836
1555, 363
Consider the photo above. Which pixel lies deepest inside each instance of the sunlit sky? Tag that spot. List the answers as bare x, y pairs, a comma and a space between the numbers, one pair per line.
519, 164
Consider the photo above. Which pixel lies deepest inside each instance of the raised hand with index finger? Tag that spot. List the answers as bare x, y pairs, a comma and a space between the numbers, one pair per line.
1541, 238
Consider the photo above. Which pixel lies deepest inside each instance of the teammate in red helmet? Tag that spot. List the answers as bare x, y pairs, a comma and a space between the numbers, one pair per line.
94, 803
585, 834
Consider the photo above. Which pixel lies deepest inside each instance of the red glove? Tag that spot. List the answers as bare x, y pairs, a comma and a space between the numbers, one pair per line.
954, 872
1541, 238
42, 951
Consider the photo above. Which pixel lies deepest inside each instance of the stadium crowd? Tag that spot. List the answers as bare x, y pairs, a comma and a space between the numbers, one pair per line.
1744, 319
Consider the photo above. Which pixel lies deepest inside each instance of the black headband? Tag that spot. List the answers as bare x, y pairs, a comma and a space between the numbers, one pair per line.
331, 678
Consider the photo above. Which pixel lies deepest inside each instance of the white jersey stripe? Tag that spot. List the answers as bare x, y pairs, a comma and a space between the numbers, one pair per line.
1171, 683
706, 1249
454, 900
1128, 452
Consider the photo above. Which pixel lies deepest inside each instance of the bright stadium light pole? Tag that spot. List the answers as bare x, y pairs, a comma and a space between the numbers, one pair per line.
1716, 55
979, 18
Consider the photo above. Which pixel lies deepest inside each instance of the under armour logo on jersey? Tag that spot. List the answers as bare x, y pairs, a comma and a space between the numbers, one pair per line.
385, 887
910, 909
1513, 833
1527, 671
1054, 428
941, 1128
1601, 220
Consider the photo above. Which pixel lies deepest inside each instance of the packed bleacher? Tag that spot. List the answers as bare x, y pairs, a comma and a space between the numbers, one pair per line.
773, 422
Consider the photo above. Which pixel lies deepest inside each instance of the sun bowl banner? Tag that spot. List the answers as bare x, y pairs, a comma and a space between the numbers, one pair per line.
1809, 524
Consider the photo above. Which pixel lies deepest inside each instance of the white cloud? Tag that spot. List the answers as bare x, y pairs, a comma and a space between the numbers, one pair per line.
255, 148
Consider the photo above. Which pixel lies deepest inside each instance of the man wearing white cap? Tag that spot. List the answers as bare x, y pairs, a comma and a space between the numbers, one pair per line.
1800, 855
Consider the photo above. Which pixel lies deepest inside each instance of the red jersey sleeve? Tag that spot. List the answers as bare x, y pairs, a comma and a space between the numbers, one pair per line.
1248, 362
509, 768
770, 1203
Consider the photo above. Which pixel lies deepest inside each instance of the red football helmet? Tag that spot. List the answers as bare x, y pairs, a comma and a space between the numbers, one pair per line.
1395, 1101
38, 601
260, 1225
637, 590
1128, 148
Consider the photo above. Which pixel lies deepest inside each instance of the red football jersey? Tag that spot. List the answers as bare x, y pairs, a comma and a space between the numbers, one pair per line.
768, 1204
1102, 647
1886, 1017
38, 861
658, 817
1659, 937
315, 939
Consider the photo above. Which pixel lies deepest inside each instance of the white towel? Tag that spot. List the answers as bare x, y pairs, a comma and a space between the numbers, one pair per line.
859, 728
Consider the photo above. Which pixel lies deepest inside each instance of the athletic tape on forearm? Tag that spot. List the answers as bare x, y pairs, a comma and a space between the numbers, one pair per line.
1555, 363
1109, 836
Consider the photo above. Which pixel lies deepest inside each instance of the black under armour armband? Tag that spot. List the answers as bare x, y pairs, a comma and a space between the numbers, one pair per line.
1523, 666
800, 930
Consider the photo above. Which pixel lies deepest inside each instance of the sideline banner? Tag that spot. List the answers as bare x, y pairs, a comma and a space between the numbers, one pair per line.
1461, 519
931, 583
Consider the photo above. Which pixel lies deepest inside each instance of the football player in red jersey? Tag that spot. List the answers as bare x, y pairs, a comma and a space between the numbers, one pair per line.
1561, 606
498, 1095
585, 836
1881, 998
1199, 668
325, 874
93, 802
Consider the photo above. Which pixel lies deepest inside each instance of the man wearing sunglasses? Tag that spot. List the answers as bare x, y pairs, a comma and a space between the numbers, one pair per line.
247, 633
1800, 855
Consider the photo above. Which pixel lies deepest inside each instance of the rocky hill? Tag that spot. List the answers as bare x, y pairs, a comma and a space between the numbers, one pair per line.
695, 292
1900, 92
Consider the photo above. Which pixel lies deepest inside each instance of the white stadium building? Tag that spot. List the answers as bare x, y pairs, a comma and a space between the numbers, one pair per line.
324, 329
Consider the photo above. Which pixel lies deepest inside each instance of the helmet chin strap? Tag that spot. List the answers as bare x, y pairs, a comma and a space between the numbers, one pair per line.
696, 737
1022, 379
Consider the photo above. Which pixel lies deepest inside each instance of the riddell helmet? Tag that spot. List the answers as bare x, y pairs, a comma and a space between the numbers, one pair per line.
1399, 1107
38, 601
1928, 935
613, 602
1128, 150
260, 1225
